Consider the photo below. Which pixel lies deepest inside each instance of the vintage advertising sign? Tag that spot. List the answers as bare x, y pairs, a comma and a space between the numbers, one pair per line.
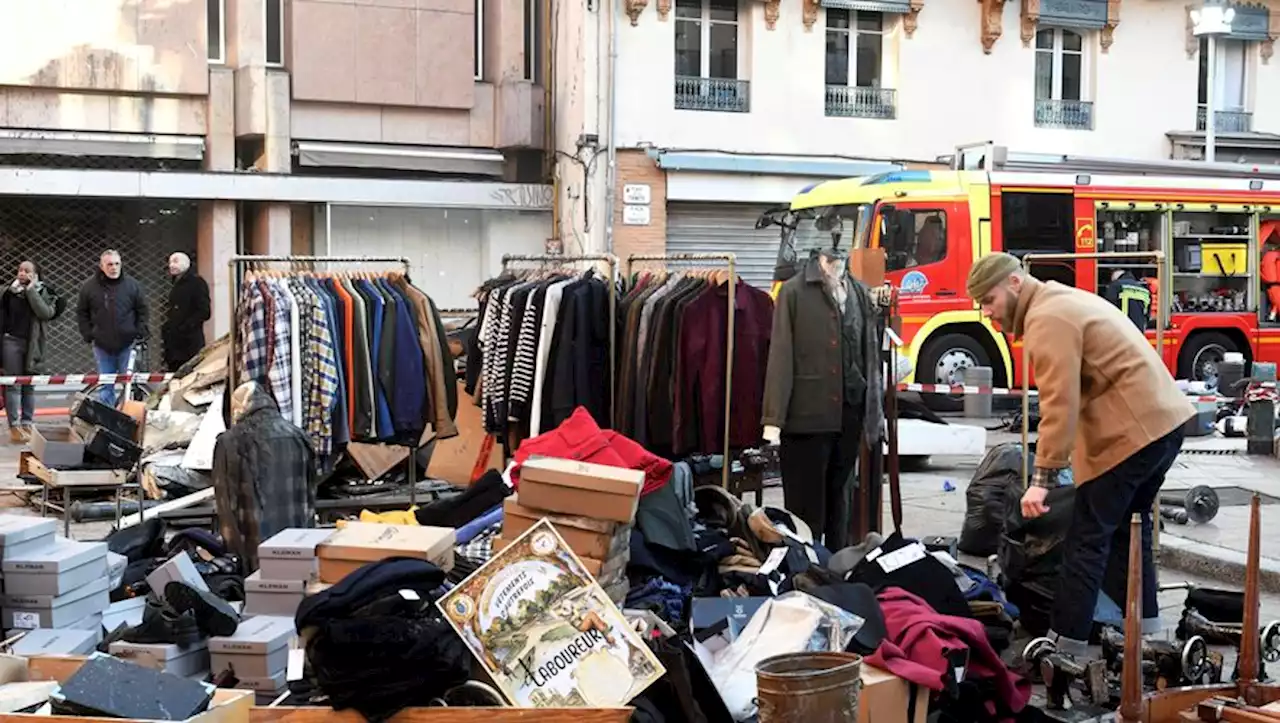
546, 631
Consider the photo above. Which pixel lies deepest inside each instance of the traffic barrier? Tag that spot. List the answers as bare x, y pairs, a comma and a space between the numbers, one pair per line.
1006, 392
82, 380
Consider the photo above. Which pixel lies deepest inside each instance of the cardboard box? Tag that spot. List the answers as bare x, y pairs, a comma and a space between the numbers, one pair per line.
60, 611
569, 487
169, 657
264, 684
359, 543
586, 536
179, 568
248, 665
57, 569
598, 568
272, 597
291, 554
22, 534
58, 447
44, 641
289, 568
261, 635
885, 698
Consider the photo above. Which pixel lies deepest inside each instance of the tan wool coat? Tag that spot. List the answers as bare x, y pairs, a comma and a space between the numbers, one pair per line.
1104, 393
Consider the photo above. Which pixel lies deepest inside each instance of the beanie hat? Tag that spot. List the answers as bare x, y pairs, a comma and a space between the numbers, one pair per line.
989, 271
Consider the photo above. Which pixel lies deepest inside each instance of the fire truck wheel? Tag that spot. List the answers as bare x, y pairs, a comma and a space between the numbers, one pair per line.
943, 361
1201, 355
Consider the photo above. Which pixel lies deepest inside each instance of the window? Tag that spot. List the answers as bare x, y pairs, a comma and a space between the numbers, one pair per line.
477, 64
914, 238
855, 42
274, 20
707, 38
707, 57
1059, 65
217, 13
1229, 99
533, 41
1060, 84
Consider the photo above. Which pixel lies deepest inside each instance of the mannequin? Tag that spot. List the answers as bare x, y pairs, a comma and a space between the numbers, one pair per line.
822, 391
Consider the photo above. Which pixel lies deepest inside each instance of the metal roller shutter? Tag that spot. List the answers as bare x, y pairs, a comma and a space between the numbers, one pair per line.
725, 228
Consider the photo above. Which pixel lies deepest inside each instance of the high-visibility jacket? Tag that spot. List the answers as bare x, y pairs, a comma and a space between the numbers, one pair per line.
1133, 298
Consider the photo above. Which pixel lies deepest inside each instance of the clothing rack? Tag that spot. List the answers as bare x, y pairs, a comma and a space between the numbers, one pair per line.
611, 261
237, 266
729, 261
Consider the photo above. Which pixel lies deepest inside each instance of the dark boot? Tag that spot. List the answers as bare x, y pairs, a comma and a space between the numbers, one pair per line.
161, 624
214, 615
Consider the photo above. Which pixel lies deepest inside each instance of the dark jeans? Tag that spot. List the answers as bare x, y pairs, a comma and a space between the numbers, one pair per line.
1097, 547
817, 473
20, 398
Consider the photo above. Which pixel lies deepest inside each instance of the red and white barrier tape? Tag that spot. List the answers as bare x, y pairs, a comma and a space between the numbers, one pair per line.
82, 380
1006, 392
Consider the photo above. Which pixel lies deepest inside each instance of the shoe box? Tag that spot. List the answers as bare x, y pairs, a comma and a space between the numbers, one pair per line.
258, 653
25, 611
291, 554
63, 566
66, 641
22, 534
272, 597
95, 413
185, 660
178, 568
357, 544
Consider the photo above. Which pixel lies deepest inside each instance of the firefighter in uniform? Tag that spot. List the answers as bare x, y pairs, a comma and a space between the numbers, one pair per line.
1131, 296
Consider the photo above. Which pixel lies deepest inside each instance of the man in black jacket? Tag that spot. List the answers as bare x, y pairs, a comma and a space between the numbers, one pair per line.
112, 314
183, 329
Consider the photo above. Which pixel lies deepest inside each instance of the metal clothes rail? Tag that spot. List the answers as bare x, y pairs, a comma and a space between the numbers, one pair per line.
237, 266
729, 261
509, 260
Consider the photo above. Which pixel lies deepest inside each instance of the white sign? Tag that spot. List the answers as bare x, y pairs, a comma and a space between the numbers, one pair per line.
636, 193
26, 621
635, 215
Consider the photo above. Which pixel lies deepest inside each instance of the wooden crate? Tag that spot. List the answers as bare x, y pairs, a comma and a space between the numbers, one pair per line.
447, 715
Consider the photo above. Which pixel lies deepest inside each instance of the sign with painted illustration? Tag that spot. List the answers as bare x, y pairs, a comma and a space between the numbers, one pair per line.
546, 631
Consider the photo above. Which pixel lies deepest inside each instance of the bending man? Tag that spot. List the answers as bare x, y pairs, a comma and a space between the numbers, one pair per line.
1110, 409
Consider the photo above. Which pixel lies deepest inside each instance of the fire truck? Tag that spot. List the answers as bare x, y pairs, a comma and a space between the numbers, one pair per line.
1211, 220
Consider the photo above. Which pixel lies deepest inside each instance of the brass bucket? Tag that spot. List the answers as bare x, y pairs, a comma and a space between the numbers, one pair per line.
809, 688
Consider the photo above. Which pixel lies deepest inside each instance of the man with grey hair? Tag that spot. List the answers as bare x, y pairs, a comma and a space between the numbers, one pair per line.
112, 315
188, 310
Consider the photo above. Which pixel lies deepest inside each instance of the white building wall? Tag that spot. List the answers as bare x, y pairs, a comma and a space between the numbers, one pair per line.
949, 91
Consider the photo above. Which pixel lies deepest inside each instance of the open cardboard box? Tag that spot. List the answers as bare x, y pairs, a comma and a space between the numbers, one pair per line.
228, 706
447, 715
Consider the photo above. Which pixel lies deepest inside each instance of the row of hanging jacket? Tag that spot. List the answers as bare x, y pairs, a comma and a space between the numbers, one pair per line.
355, 357
541, 350
672, 334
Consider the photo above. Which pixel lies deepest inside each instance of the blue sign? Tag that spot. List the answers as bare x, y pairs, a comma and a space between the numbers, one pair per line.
914, 283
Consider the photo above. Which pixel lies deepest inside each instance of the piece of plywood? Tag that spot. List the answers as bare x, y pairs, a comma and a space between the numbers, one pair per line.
453, 460
447, 715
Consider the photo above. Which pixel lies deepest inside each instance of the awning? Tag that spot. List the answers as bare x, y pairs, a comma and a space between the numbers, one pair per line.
809, 166
1085, 14
893, 7
114, 145
430, 159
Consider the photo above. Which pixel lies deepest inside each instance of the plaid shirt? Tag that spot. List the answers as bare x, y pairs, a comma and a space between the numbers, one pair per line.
254, 338
322, 372
1046, 478
280, 373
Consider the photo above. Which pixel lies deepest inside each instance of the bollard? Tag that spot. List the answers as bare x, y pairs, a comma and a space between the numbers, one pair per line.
977, 405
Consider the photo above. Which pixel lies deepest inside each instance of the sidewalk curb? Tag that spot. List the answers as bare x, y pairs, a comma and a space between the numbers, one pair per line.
1213, 562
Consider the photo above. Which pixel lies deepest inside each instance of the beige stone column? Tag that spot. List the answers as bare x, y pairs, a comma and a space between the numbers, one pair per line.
216, 233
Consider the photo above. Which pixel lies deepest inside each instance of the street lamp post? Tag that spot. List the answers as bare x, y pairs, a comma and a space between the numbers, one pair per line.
1210, 21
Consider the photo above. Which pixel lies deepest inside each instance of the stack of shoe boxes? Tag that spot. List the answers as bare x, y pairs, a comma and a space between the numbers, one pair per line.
357, 544
287, 563
49, 580
257, 655
592, 506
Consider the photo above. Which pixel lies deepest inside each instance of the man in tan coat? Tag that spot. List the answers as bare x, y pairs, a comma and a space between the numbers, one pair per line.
1109, 409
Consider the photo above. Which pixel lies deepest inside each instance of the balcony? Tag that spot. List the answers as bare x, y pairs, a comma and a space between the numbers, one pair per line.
854, 102
1074, 115
1225, 121
724, 95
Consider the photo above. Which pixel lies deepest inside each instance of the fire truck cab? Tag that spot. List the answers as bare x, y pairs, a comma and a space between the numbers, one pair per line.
1210, 220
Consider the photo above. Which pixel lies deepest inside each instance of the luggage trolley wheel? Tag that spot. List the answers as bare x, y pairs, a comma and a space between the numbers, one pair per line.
1195, 658
1035, 652
1271, 641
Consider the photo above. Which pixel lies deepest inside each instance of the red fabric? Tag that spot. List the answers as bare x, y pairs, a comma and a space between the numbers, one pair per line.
580, 438
918, 639
1271, 267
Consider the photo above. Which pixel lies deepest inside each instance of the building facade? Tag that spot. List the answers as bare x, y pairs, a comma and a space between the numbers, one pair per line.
726, 107
409, 128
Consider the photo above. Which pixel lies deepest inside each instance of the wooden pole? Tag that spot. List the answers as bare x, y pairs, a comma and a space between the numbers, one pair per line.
1131, 674
1248, 669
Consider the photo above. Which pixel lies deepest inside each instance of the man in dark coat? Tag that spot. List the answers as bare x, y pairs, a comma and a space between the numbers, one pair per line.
263, 474
183, 330
112, 315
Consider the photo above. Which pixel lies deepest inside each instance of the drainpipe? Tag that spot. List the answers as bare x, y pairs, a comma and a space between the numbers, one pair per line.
549, 123
611, 193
